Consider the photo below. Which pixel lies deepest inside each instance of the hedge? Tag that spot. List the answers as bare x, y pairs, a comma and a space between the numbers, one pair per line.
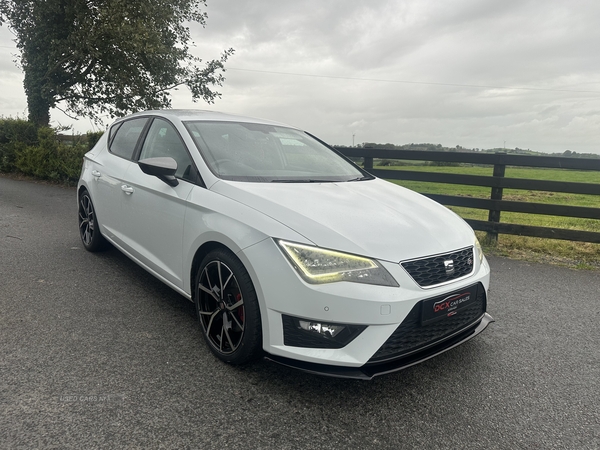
39, 152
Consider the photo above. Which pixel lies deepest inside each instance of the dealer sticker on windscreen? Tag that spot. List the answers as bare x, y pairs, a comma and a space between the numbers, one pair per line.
449, 305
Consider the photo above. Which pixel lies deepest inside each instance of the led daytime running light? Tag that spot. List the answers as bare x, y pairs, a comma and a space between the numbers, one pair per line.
318, 265
312, 271
479, 250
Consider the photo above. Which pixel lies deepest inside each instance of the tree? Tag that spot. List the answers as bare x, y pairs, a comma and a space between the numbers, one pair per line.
108, 57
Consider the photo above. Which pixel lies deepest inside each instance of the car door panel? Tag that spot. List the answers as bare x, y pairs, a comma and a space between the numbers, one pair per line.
153, 216
108, 169
107, 172
153, 212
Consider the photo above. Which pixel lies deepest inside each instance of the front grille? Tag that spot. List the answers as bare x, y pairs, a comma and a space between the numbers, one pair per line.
431, 271
411, 336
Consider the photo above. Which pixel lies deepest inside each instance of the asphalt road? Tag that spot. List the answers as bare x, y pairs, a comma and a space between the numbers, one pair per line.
95, 353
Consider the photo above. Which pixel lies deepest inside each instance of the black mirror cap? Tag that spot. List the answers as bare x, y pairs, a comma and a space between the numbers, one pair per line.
162, 167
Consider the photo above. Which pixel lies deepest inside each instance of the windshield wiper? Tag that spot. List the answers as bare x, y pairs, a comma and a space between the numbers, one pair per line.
308, 180
366, 177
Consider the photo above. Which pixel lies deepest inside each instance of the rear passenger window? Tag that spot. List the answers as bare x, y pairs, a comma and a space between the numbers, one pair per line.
126, 137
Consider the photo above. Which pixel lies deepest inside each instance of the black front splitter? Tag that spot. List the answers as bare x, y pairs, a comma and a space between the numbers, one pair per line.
369, 371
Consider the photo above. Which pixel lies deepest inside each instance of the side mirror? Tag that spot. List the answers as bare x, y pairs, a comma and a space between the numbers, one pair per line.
163, 167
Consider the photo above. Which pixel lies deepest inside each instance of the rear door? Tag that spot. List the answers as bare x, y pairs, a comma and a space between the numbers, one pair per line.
108, 171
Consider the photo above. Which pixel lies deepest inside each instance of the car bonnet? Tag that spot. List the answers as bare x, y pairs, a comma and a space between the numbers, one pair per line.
374, 218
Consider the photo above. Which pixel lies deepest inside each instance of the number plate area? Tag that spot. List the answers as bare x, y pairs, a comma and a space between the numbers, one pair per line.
448, 305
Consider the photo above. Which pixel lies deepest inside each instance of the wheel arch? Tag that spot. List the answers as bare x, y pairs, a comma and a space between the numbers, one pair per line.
213, 244
199, 255
80, 189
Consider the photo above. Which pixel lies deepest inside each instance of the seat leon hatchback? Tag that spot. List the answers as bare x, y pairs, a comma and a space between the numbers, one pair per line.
289, 250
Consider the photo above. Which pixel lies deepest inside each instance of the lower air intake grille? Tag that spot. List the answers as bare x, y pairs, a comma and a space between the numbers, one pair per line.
411, 336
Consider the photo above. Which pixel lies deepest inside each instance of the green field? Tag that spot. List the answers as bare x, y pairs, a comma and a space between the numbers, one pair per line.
566, 252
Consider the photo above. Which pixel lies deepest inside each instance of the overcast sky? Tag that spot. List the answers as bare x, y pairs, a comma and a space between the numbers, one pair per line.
475, 73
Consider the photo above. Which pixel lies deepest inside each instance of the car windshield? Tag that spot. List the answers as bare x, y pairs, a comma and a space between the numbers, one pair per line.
264, 153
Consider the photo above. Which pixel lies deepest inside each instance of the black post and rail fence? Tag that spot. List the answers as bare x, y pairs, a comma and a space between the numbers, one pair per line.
497, 182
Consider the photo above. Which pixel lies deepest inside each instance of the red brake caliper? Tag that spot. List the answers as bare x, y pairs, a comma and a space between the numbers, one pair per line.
240, 311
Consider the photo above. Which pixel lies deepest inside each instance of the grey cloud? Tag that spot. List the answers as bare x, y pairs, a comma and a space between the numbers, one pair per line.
472, 52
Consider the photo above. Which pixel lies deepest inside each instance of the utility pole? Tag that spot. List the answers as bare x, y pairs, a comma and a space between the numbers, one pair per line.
353, 139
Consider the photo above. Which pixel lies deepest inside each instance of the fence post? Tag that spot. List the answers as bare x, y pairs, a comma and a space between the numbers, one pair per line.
496, 194
368, 160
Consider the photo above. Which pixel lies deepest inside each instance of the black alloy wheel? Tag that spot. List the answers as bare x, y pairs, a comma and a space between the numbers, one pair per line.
89, 232
228, 308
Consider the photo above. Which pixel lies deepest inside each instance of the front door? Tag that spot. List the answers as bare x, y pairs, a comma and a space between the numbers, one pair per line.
153, 212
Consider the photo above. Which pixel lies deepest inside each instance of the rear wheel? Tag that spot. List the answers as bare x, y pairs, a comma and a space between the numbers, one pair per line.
89, 231
228, 309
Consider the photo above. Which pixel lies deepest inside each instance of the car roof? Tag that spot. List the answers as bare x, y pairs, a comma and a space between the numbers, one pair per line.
205, 115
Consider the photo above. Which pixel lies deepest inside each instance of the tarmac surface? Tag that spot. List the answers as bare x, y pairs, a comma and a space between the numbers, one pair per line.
96, 353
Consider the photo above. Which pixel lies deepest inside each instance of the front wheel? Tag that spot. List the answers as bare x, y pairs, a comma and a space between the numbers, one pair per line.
227, 307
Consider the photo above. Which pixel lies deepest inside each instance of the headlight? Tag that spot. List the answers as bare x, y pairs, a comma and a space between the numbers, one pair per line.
317, 265
478, 250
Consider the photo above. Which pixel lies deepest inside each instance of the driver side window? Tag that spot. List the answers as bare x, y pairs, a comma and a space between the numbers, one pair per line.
163, 140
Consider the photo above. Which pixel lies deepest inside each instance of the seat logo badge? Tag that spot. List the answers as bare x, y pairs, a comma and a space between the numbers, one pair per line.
449, 266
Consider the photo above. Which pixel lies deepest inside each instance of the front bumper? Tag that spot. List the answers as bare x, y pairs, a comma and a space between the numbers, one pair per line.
381, 309
371, 370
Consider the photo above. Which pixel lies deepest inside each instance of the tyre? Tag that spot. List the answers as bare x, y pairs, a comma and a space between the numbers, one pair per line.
227, 308
89, 231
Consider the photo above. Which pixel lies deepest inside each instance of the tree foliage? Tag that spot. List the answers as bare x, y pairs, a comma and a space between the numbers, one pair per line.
108, 57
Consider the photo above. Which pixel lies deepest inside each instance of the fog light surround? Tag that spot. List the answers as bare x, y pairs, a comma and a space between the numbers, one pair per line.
307, 333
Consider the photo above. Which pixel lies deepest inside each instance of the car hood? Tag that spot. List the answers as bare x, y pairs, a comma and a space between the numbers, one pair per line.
374, 218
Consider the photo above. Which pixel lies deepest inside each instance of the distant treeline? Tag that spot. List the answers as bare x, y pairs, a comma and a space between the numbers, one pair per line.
458, 148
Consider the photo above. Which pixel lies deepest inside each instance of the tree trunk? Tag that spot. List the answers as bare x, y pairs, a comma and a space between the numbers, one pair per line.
40, 116
38, 104
38, 107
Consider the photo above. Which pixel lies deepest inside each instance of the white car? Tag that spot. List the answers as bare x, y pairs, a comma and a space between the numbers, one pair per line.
289, 250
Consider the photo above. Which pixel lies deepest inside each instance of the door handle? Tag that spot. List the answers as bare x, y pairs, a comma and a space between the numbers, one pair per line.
127, 189
96, 173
